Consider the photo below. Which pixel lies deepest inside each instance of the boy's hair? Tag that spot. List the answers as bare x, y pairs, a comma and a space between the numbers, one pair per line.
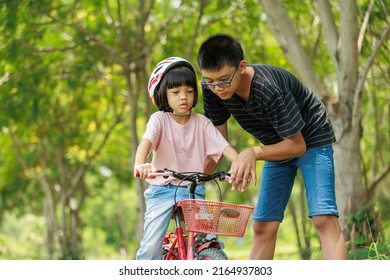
176, 77
219, 50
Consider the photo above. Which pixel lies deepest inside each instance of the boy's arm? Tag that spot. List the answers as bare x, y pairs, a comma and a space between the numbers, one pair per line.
243, 168
209, 163
223, 129
290, 147
141, 155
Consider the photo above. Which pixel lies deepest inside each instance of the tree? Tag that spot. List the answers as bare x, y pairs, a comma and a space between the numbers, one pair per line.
345, 38
74, 52
48, 102
73, 94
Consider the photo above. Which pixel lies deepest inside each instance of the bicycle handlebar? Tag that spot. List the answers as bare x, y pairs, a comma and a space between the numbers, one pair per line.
194, 177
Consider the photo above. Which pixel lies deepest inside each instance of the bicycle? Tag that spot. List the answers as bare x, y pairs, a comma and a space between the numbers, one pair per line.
204, 220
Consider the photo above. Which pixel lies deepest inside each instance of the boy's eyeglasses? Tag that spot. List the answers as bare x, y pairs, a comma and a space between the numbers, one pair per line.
224, 84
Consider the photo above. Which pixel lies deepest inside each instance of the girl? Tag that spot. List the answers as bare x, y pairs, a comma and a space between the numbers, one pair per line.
180, 140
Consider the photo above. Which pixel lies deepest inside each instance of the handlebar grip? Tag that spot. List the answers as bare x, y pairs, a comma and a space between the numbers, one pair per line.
164, 174
153, 175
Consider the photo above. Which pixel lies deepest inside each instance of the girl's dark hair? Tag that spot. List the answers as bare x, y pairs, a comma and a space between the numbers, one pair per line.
176, 77
219, 50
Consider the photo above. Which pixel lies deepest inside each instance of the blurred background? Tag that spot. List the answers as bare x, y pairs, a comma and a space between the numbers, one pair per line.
74, 104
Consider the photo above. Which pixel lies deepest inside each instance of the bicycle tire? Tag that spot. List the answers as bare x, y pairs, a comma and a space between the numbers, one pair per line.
212, 254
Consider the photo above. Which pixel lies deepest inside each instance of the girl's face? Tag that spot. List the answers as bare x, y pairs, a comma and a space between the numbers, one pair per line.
181, 99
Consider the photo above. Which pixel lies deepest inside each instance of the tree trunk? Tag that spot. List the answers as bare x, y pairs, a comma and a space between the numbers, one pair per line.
123, 235
132, 100
51, 226
349, 191
345, 111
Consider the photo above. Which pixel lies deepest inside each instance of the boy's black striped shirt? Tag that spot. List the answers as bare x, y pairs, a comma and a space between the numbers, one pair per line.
279, 106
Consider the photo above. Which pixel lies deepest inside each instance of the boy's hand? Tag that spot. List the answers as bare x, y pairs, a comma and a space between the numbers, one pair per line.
243, 170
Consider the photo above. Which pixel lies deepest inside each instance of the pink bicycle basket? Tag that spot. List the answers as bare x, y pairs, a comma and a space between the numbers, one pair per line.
212, 217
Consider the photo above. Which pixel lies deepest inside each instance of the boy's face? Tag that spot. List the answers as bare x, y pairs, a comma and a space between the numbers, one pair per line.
222, 82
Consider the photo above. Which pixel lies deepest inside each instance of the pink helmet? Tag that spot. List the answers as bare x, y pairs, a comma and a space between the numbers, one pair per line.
160, 70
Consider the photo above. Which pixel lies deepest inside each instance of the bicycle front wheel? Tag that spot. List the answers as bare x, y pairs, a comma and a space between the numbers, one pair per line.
212, 254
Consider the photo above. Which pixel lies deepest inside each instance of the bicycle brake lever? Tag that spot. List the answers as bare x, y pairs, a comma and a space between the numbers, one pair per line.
225, 176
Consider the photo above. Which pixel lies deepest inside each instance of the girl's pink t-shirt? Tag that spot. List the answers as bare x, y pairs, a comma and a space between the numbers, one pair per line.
182, 148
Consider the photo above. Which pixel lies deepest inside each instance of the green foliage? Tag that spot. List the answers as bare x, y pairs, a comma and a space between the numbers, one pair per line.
375, 251
368, 233
103, 210
63, 86
22, 237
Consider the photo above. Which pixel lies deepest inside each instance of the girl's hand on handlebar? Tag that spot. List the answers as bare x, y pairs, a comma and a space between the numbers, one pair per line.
142, 170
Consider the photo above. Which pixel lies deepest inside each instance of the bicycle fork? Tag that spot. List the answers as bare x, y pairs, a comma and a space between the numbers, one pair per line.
181, 244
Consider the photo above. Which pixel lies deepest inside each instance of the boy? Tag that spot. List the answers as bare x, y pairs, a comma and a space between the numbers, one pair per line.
295, 130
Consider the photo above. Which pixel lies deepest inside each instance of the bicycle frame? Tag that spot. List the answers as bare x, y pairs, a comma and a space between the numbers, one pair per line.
180, 239
183, 245
179, 246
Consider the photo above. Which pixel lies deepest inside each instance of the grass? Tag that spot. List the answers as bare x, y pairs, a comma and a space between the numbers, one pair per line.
374, 254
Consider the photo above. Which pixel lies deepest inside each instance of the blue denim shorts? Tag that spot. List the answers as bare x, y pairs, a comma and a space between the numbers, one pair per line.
277, 180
